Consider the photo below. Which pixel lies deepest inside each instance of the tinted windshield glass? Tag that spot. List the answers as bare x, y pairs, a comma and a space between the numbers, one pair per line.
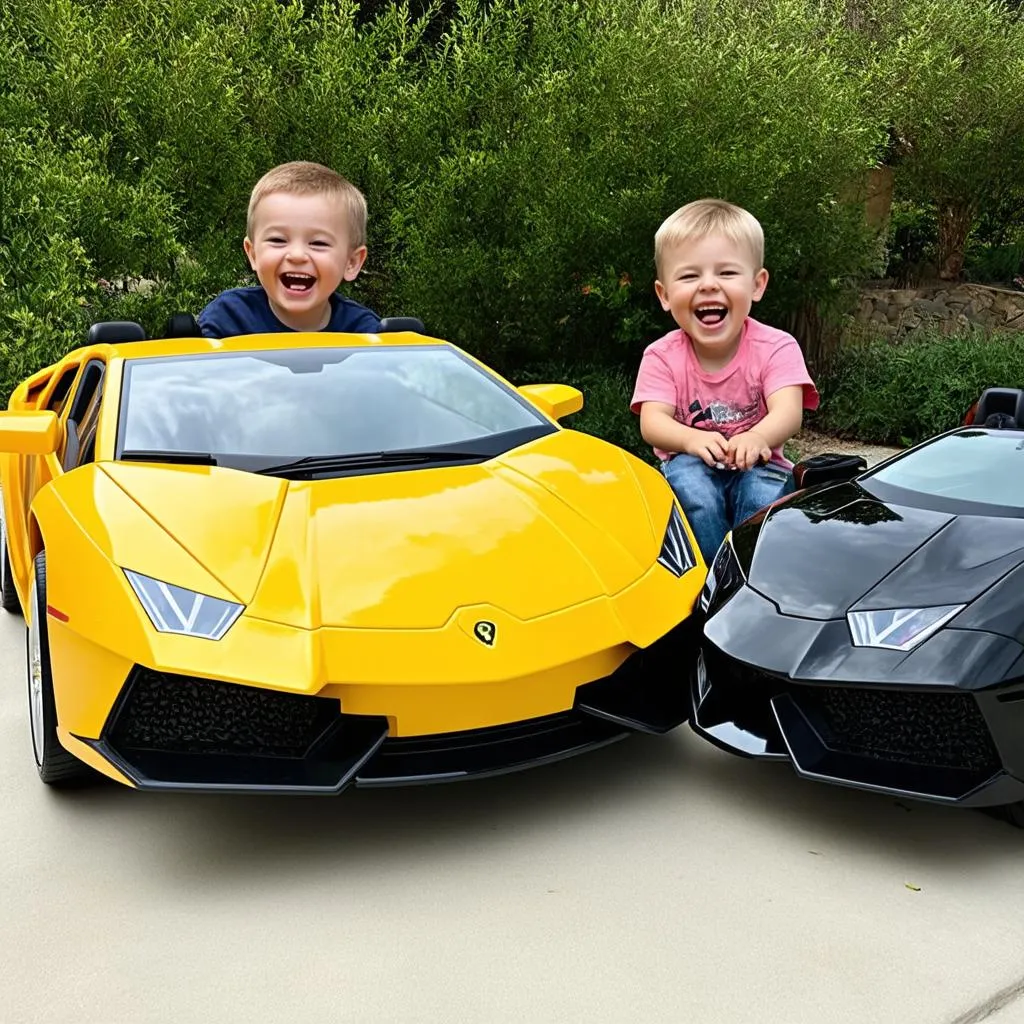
325, 401
977, 466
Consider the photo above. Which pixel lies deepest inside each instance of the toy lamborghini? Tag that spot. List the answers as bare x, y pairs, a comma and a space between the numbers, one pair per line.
290, 563
869, 629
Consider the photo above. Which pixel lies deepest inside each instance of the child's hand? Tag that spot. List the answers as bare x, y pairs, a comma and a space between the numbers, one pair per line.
746, 449
710, 446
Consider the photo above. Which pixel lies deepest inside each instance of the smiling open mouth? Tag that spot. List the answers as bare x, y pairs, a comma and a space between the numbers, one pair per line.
711, 315
298, 282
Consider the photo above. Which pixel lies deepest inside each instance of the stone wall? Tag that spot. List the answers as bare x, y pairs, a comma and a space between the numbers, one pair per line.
896, 312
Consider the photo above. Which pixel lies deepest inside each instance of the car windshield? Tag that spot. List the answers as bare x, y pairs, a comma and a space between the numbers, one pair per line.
975, 467
294, 403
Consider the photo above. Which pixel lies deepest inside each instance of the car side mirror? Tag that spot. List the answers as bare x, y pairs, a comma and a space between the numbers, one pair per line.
557, 400
36, 432
828, 467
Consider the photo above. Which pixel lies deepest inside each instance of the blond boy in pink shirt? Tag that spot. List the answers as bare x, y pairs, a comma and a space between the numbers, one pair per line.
719, 397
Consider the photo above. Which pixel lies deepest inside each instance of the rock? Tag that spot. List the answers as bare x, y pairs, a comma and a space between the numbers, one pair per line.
898, 312
931, 308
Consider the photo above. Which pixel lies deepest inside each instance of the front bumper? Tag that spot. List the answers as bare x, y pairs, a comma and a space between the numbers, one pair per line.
173, 732
934, 725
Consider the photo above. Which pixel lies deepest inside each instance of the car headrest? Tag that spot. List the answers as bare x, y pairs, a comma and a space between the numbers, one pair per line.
1004, 406
393, 324
109, 332
182, 325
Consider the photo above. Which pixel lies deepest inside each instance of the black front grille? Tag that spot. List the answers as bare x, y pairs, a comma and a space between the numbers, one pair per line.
943, 730
187, 715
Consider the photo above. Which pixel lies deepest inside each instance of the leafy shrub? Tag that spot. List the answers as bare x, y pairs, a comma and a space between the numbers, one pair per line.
878, 391
54, 203
571, 131
517, 155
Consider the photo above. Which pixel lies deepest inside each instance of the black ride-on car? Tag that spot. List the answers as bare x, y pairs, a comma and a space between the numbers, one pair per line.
870, 627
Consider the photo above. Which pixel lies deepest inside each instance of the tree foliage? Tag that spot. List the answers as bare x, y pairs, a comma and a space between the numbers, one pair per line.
956, 85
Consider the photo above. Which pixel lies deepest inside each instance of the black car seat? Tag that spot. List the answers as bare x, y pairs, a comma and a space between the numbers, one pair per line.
1003, 406
182, 325
393, 324
110, 332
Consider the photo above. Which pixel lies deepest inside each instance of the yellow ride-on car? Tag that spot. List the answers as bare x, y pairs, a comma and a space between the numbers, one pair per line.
292, 562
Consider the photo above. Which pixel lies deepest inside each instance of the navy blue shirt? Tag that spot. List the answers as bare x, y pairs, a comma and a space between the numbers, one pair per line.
247, 311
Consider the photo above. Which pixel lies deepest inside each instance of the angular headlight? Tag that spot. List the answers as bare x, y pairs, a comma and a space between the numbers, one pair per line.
898, 629
725, 576
676, 553
174, 609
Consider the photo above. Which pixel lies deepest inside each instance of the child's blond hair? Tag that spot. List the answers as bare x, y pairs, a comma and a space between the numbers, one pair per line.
301, 177
705, 217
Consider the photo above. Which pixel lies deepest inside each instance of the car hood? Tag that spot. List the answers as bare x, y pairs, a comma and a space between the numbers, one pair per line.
559, 521
826, 552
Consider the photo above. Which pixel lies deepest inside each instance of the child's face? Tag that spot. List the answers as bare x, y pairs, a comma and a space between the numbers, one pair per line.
301, 252
709, 285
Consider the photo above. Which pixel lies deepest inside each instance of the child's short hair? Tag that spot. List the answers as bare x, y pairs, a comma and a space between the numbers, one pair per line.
301, 177
704, 217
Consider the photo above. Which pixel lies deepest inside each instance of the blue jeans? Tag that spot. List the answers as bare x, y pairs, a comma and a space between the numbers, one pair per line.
716, 500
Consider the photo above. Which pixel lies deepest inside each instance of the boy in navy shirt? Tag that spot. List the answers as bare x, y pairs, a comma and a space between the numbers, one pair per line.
305, 234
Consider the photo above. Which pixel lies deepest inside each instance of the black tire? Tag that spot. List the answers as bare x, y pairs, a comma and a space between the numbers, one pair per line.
9, 600
56, 766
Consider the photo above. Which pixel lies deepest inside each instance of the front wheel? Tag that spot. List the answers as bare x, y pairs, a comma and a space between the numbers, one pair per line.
56, 766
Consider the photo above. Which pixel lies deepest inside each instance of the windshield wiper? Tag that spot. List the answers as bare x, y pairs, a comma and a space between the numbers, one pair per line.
397, 457
156, 455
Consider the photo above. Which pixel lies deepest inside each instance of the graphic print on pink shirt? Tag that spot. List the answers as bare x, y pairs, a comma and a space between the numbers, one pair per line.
730, 400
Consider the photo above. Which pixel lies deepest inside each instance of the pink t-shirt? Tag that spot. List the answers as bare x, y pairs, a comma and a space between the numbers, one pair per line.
732, 399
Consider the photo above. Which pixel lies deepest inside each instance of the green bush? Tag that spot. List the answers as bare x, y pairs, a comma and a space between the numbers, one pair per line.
60, 212
517, 155
571, 131
900, 393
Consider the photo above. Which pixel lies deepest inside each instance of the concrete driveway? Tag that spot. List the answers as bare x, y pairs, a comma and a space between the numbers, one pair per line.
656, 880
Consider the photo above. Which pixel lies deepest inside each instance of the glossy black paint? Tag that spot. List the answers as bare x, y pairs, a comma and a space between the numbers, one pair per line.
780, 678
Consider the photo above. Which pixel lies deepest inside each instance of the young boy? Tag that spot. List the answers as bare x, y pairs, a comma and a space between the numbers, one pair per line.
720, 396
305, 234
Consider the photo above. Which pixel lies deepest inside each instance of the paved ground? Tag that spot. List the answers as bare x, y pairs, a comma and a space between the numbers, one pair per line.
656, 880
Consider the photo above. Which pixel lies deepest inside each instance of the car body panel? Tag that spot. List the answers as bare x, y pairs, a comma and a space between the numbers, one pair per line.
905, 556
